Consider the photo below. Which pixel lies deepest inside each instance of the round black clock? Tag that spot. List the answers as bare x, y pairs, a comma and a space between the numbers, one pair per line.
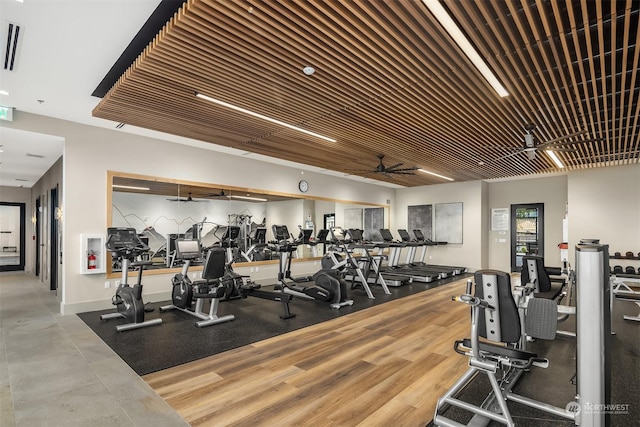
303, 186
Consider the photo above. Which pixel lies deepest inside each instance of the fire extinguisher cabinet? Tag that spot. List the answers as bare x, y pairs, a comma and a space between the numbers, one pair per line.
93, 254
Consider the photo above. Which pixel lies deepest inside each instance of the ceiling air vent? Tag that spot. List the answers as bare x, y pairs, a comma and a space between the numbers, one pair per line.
11, 52
37, 156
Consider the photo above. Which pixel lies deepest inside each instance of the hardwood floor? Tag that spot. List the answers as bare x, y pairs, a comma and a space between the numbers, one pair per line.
382, 366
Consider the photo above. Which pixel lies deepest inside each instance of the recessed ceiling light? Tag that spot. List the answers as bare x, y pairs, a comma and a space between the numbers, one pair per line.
308, 70
263, 117
255, 199
555, 158
130, 187
461, 40
435, 174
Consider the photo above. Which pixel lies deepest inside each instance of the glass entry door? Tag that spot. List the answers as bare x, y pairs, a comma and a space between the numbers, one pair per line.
527, 232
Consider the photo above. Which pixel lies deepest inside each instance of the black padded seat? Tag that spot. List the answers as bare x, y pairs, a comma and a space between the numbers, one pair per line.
549, 287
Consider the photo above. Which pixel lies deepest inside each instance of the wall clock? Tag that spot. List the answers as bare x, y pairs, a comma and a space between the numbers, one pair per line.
303, 186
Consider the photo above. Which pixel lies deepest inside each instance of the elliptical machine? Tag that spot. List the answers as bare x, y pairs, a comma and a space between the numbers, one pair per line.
326, 285
125, 244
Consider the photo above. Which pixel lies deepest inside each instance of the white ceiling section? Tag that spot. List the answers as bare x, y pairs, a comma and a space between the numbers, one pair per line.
67, 47
26, 156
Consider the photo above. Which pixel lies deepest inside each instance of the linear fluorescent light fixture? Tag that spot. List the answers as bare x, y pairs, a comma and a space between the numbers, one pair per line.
129, 187
445, 20
260, 116
435, 174
555, 158
255, 199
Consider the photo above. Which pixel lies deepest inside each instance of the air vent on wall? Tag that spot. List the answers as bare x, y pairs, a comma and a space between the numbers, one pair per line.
11, 52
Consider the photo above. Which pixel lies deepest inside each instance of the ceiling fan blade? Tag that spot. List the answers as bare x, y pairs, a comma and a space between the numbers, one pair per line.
583, 141
364, 171
510, 155
393, 167
402, 170
571, 135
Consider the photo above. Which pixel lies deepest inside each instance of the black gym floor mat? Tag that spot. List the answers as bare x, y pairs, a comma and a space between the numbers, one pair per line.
177, 340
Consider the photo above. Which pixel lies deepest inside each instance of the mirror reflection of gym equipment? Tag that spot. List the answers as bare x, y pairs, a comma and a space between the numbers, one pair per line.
163, 210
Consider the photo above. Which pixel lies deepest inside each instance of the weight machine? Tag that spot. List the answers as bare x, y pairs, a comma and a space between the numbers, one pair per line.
502, 355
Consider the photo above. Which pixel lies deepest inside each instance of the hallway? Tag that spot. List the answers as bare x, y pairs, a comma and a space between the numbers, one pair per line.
55, 371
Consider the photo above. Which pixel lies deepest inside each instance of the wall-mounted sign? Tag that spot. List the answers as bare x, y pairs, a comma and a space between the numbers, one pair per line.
500, 219
6, 113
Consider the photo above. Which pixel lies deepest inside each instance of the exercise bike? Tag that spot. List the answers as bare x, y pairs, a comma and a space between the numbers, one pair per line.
326, 285
125, 244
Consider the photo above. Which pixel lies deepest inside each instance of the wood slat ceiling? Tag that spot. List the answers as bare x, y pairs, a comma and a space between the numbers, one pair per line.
389, 80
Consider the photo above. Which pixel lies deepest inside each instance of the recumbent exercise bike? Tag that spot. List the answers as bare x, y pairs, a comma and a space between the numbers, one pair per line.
185, 292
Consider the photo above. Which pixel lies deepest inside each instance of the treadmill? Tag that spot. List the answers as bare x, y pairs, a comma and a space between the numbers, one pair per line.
417, 274
420, 238
410, 260
350, 265
375, 261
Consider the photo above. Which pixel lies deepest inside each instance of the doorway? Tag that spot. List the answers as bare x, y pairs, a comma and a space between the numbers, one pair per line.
53, 262
38, 205
329, 221
12, 236
527, 232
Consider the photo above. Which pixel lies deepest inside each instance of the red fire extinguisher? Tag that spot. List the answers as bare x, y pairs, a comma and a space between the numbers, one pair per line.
91, 261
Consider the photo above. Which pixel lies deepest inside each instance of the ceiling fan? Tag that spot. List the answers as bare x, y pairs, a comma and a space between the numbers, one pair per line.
557, 144
389, 170
216, 195
189, 198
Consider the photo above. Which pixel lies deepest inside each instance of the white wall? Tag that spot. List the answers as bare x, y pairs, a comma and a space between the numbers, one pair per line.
53, 178
469, 253
605, 204
90, 152
285, 212
550, 190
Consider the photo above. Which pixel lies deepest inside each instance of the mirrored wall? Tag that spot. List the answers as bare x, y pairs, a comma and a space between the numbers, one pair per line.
162, 210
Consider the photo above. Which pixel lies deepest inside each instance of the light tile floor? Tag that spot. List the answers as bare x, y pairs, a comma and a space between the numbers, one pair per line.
55, 371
